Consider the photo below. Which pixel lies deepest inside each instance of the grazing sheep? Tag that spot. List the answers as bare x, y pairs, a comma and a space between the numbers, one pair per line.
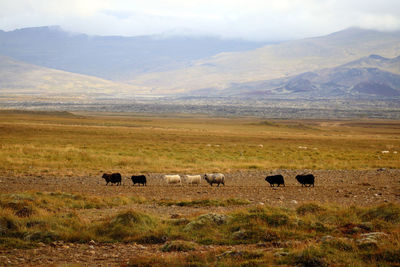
306, 179
172, 179
275, 179
215, 178
193, 179
139, 179
112, 178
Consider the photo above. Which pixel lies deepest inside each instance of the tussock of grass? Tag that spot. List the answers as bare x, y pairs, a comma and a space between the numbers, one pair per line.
28, 203
127, 226
178, 245
206, 202
388, 256
389, 213
309, 208
310, 257
193, 259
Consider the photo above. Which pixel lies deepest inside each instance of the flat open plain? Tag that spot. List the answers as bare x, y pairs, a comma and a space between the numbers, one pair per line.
54, 202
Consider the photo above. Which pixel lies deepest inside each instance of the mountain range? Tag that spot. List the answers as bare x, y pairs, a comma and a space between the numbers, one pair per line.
49, 61
111, 57
370, 76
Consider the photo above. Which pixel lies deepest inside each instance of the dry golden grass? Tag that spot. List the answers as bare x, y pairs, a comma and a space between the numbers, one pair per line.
66, 144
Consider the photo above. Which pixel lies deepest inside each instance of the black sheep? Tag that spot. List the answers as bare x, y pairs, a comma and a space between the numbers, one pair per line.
139, 179
275, 179
112, 178
306, 179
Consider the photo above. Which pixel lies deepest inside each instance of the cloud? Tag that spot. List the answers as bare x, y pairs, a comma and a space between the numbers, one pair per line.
249, 19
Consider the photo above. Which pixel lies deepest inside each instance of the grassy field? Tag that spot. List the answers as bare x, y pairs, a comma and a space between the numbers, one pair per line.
62, 143
48, 157
310, 235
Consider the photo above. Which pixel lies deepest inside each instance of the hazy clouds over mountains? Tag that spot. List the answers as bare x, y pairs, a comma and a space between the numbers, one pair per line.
348, 63
111, 57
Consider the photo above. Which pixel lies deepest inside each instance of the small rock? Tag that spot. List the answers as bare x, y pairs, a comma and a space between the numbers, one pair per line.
91, 247
92, 242
294, 201
281, 253
239, 234
374, 235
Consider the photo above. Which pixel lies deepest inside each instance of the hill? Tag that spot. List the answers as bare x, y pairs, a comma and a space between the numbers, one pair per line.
20, 78
275, 61
363, 77
349, 63
111, 57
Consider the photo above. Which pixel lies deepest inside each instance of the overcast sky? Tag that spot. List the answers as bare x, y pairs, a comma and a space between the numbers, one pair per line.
248, 19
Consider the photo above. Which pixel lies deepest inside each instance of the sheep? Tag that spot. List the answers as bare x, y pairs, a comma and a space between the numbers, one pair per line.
275, 179
172, 179
139, 179
193, 179
112, 178
214, 178
306, 179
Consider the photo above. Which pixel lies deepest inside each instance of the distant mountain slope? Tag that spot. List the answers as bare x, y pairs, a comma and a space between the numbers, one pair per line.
360, 77
376, 61
111, 57
17, 77
275, 61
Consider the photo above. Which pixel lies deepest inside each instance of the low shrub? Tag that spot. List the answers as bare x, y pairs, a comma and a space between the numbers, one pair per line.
126, 226
309, 257
309, 208
387, 212
383, 255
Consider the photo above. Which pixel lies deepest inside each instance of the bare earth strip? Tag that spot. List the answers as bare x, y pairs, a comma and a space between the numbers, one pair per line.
341, 187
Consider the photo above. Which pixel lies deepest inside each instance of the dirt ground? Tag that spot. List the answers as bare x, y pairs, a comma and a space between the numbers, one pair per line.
338, 187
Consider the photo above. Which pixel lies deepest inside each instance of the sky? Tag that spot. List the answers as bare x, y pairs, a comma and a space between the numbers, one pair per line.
261, 20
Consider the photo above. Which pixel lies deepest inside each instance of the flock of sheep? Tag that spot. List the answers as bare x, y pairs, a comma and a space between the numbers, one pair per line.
210, 178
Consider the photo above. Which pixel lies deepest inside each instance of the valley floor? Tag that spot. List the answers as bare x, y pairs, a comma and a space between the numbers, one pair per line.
243, 190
